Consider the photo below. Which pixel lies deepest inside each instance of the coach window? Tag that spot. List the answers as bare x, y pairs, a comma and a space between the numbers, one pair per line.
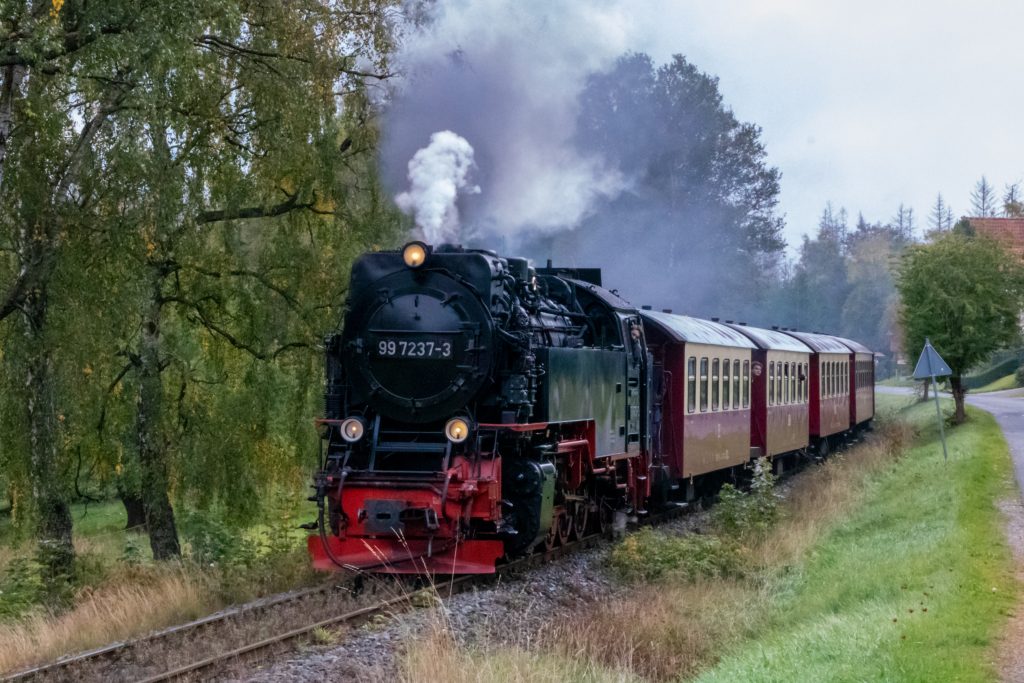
791, 382
807, 380
735, 384
714, 384
746, 383
691, 384
771, 383
785, 383
703, 385
726, 384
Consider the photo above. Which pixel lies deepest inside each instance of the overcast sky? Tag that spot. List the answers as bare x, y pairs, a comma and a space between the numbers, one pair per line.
866, 104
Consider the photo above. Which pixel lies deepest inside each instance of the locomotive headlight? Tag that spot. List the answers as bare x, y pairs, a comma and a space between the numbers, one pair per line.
414, 254
352, 429
457, 430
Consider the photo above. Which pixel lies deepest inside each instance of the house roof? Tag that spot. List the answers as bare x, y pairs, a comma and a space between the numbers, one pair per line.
1009, 231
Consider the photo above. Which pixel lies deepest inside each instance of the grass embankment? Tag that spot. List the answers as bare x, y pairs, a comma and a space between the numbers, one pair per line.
1001, 384
886, 564
119, 592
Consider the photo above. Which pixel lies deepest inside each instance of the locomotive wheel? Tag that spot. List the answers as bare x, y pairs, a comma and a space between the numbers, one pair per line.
605, 514
580, 518
565, 527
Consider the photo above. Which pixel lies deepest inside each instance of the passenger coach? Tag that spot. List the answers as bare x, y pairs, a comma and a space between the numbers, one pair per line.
780, 414
829, 388
705, 411
862, 379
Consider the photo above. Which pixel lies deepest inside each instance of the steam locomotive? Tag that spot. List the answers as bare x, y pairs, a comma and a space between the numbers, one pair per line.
478, 408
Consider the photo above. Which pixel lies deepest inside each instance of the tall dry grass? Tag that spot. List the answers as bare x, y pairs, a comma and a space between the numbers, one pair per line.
670, 630
823, 494
128, 604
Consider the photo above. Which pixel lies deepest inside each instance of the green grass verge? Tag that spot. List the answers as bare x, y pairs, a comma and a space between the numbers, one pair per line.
1001, 384
913, 586
901, 382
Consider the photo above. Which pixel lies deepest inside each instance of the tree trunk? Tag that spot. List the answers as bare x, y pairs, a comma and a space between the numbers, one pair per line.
163, 533
135, 507
56, 552
959, 392
924, 389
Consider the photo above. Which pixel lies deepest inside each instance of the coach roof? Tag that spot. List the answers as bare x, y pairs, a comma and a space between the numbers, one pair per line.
683, 328
772, 340
855, 346
821, 343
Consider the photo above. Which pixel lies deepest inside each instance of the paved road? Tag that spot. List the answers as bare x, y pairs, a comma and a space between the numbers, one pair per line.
1008, 409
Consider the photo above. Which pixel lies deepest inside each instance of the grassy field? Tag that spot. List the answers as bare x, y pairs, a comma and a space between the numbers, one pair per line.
888, 564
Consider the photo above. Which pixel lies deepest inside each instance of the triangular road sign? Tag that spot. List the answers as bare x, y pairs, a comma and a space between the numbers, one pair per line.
930, 364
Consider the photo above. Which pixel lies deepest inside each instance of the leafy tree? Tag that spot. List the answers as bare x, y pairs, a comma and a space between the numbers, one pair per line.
702, 205
819, 284
983, 199
965, 294
134, 139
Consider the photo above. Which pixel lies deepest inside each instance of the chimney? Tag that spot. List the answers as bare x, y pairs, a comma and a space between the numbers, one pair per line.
666, 310
645, 308
728, 322
714, 320
549, 263
775, 327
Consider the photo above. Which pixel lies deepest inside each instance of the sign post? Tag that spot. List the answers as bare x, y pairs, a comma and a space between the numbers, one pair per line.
930, 364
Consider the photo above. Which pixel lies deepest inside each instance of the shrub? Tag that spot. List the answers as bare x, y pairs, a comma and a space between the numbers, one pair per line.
752, 515
648, 555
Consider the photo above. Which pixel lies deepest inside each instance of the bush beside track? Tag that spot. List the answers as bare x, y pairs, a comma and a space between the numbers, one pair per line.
886, 564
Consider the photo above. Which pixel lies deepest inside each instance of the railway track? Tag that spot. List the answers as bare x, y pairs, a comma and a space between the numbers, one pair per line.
199, 649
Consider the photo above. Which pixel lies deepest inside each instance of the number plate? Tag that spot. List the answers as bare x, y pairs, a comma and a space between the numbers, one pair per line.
413, 347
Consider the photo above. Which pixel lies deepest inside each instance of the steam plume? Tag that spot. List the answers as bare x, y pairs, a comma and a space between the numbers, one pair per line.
506, 76
437, 173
